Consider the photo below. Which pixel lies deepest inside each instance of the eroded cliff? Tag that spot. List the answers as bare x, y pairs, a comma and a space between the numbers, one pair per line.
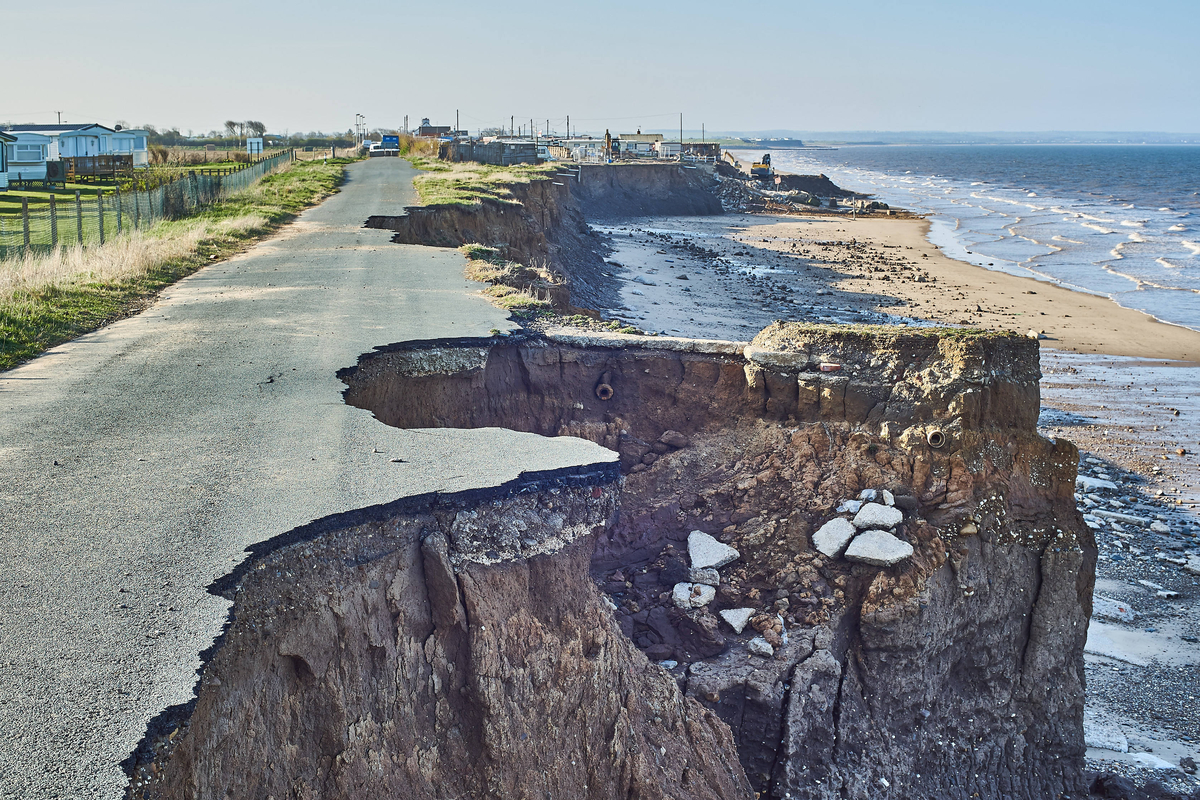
954, 673
488, 645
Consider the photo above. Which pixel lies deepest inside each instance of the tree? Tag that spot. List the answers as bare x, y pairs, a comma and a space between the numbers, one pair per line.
231, 128
256, 128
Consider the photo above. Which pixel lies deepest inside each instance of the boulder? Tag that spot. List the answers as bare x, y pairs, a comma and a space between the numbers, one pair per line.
831, 539
874, 516
674, 439
878, 548
705, 551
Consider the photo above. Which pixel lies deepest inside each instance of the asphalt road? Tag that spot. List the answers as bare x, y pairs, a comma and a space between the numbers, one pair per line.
137, 462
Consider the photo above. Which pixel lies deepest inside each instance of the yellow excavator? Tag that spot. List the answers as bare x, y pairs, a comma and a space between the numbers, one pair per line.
762, 169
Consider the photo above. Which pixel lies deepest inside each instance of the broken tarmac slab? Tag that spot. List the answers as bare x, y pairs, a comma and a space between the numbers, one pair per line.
879, 549
706, 552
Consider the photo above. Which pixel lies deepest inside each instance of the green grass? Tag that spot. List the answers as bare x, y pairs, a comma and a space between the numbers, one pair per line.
35, 319
468, 183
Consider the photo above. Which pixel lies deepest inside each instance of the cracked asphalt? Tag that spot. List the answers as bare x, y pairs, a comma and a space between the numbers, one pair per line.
137, 463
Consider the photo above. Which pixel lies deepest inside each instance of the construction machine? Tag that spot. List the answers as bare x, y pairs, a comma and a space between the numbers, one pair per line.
762, 169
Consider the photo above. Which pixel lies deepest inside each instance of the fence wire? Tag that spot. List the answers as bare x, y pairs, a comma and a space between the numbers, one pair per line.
41, 226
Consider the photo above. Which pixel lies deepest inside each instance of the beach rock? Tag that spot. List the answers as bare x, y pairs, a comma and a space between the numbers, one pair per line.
878, 548
1089, 484
1159, 527
705, 551
1193, 565
1112, 609
874, 516
1151, 761
888, 498
760, 647
849, 507
681, 595
702, 595
709, 576
832, 537
737, 618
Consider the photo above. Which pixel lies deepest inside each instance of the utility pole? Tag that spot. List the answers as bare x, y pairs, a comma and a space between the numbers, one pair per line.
512, 125
456, 122
59, 117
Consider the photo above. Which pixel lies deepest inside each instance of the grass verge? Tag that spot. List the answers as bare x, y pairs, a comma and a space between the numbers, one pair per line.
513, 286
49, 299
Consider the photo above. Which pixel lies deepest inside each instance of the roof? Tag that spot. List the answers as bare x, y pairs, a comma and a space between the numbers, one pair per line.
4, 137
59, 129
641, 137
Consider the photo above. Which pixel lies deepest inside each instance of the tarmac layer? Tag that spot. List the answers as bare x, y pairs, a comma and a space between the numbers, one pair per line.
139, 461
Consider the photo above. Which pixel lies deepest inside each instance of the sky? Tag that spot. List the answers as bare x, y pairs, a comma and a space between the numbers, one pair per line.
952, 65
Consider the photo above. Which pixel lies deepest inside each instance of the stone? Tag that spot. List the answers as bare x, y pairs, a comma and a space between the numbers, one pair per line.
831, 539
1092, 484
674, 439
709, 577
1188, 765
669, 664
849, 507
702, 595
737, 618
888, 498
705, 551
874, 516
878, 548
681, 595
1151, 761
1159, 527
868, 495
1192, 565
1112, 609
759, 646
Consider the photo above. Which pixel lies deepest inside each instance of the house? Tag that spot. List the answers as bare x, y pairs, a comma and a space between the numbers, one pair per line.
433, 131
5, 141
668, 149
132, 141
637, 144
26, 154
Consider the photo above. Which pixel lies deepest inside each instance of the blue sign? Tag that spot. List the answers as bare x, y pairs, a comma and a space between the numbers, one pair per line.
391, 143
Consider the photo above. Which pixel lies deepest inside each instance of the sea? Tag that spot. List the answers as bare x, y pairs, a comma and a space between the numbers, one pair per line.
1122, 221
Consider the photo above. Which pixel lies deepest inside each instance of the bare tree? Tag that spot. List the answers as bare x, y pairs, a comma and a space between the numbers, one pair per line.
231, 127
255, 127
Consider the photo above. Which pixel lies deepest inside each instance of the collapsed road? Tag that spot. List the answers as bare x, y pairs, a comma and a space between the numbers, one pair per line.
140, 461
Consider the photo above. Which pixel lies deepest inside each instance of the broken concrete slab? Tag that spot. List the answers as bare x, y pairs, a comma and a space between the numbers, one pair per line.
760, 647
705, 551
737, 618
709, 577
833, 537
875, 516
1104, 735
1112, 609
1089, 484
878, 548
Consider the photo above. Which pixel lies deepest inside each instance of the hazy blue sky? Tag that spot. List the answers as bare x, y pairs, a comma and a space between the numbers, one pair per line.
957, 65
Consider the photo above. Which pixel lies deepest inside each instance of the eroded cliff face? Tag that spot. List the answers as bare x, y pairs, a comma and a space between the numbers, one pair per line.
448, 646
954, 673
545, 223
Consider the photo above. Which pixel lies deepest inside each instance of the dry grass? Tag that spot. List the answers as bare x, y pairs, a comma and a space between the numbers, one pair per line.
513, 285
469, 183
128, 257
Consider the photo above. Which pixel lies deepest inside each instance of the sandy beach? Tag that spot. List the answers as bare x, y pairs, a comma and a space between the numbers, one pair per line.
1117, 383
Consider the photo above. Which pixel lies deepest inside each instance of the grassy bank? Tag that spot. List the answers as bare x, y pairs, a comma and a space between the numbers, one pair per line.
467, 183
49, 299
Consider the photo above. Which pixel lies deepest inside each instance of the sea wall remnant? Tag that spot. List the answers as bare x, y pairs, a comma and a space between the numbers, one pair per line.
952, 670
445, 646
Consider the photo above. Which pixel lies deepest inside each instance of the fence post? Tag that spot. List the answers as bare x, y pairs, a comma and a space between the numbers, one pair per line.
78, 218
136, 214
25, 221
118, 212
53, 222
100, 213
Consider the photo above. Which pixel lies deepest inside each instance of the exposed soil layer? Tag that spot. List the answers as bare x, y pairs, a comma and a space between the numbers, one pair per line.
546, 222
955, 673
417, 653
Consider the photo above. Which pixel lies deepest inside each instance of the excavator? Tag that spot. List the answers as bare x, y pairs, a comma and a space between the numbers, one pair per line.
762, 169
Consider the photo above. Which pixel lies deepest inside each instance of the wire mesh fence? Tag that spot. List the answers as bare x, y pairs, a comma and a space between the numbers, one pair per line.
41, 226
